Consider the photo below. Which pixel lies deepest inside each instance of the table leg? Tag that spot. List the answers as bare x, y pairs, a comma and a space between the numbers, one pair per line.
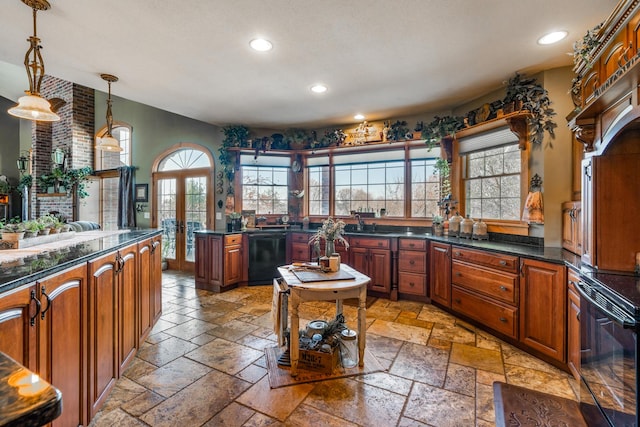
338, 307
294, 341
362, 324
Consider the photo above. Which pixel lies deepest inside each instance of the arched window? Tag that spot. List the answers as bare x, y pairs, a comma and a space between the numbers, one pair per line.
105, 160
186, 158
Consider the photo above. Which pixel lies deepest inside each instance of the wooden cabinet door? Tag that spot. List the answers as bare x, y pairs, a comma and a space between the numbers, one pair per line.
543, 305
380, 270
573, 325
17, 329
102, 329
440, 277
62, 340
360, 261
202, 266
232, 264
145, 292
216, 262
568, 227
156, 278
129, 298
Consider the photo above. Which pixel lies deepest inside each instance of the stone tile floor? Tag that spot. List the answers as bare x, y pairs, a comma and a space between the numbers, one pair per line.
204, 365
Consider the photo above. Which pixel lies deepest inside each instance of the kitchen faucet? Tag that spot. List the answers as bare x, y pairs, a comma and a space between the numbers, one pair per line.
360, 225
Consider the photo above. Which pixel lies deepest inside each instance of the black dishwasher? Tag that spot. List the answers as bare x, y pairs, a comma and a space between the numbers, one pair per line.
267, 252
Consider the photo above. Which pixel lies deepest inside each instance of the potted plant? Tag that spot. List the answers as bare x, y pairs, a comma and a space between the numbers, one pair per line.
46, 224
331, 231
26, 181
437, 225
439, 128
398, 131
46, 182
297, 139
31, 228
535, 100
12, 231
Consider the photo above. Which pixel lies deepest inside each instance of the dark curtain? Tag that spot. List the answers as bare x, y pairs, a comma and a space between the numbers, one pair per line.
126, 202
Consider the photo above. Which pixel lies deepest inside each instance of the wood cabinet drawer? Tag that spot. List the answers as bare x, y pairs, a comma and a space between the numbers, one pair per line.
489, 259
369, 242
411, 283
300, 252
501, 318
413, 262
572, 280
494, 284
233, 239
300, 237
412, 244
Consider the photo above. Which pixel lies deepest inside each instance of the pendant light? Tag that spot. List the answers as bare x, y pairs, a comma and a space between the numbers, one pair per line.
32, 106
108, 142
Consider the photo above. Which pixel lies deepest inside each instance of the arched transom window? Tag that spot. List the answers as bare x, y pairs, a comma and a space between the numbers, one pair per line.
184, 159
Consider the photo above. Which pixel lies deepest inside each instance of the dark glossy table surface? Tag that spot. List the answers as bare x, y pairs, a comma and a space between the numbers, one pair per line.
25, 399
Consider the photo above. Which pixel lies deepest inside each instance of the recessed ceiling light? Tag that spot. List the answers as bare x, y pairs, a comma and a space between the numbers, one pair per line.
552, 37
359, 117
318, 88
261, 45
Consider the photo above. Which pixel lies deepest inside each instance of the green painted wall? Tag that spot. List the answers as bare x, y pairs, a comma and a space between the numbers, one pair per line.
155, 131
10, 129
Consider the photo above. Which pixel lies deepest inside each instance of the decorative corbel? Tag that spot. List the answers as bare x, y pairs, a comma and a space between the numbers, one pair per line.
447, 146
519, 126
585, 133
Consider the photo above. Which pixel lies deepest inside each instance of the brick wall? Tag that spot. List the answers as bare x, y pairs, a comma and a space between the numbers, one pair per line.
73, 133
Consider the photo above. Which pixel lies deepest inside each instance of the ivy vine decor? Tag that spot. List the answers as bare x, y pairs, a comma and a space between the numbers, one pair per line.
583, 48
439, 128
234, 136
535, 100
398, 131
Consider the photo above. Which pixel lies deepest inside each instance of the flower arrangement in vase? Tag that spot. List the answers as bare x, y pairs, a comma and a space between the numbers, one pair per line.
331, 231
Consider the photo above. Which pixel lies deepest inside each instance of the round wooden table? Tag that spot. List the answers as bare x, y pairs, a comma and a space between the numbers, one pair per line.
326, 290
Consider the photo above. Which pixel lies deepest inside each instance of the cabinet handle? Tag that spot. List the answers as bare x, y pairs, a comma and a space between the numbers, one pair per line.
48, 302
411, 245
154, 247
32, 320
458, 274
379, 243
522, 268
503, 288
578, 316
412, 262
458, 253
503, 320
503, 262
457, 300
411, 284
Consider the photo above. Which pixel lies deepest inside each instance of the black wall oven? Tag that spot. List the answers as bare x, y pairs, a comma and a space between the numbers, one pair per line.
609, 314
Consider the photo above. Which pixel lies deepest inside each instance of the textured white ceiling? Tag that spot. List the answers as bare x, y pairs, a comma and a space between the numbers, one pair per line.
384, 58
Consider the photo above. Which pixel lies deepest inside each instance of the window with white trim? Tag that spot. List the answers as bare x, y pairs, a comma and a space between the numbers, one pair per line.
318, 190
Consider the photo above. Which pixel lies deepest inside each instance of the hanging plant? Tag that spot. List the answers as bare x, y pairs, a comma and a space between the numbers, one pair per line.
234, 136
535, 100
332, 137
78, 178
439, 128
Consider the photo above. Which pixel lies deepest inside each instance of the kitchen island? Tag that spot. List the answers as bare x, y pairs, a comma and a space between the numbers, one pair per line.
77, 314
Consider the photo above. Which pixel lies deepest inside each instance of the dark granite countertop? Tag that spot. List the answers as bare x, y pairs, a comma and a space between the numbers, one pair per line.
550, 254
25, 399
35, 266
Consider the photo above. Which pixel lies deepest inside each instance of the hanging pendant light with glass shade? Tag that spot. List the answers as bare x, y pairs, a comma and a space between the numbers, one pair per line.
32, 106
108, 142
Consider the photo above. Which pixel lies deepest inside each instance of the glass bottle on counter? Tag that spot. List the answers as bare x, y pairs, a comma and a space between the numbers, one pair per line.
466, 227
